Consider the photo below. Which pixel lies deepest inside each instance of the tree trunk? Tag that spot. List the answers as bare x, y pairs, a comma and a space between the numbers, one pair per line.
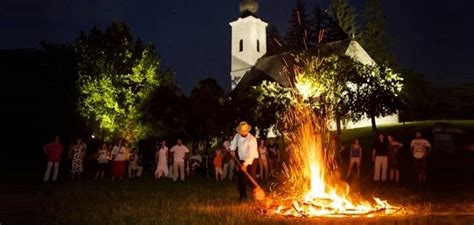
338, 123
374, 126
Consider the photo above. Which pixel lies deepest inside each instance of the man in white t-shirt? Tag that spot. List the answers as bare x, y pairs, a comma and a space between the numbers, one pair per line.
179, 152
247, 150
420, 148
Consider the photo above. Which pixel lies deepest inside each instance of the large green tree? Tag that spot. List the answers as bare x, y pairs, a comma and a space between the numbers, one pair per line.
298, 35
117, 74
377, 92
374, 38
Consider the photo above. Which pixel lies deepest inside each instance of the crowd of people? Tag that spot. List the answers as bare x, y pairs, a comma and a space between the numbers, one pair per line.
386, 157
238, 157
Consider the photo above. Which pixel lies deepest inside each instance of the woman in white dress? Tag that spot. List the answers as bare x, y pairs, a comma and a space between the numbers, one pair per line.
162, 161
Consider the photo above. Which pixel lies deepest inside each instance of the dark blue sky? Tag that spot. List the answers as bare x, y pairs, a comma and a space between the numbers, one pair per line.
193, 36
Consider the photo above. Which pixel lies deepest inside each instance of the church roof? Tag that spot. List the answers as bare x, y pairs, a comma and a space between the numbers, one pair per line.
273, 67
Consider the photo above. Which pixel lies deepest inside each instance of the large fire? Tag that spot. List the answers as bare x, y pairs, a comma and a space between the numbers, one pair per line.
313, 187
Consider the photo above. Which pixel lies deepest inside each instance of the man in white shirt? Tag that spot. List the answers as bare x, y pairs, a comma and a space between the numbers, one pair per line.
247, 151
420, 148
179, 152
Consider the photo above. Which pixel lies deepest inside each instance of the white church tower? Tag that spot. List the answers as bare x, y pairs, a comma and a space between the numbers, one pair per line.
249, 40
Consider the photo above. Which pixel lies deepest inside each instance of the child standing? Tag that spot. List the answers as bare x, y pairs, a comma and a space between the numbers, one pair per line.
218, 165
262, 160
393, 155
135, 164
102, 161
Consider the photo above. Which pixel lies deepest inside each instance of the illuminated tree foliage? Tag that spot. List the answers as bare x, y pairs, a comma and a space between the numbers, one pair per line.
376, 92
117, 74
336, 87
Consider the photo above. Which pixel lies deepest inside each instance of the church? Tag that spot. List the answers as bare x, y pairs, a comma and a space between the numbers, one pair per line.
250, 65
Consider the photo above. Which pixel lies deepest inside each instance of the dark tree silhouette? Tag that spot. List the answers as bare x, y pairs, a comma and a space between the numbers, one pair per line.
297, 37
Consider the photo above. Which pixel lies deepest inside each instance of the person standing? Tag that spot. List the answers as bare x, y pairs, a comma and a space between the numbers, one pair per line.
355, 156
103, 157
218, 165
53, 151
273, 157
262, 160
393, 155
77, 153
420, 148
179, 152
118, 157
226, 160
379, 157
162, 160
247, 147
170, 164
135, 164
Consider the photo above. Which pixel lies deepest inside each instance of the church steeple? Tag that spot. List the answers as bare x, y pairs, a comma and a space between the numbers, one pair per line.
248, 7
249, 40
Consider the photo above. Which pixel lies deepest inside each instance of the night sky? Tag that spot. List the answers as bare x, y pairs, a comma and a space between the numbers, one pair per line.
193, 36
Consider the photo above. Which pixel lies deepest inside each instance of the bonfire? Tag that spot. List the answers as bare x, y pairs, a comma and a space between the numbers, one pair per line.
312, 186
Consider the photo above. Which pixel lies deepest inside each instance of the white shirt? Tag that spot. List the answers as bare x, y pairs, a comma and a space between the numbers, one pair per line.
119, 153
419, 147
179, 152
247, 148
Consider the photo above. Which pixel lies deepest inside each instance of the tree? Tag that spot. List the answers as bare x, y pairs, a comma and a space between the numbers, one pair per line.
344, 18
333, 87
376, 92
60, 94
374, 39
167, 112
317, 25
117, 74
206, 120
418, 95
274, 41
297, 36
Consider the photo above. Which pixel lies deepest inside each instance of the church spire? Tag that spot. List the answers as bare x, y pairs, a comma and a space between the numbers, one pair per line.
248, 7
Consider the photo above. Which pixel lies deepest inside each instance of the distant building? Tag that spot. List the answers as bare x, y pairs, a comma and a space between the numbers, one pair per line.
250, 66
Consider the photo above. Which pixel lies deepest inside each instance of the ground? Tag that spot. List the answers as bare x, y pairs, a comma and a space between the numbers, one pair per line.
448, 200
202, 201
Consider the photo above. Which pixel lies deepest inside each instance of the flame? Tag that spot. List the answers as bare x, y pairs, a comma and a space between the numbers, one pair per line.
313, 186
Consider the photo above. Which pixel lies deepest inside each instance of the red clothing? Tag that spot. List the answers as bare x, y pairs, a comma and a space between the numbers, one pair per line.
54, 151
118, 169
218, 160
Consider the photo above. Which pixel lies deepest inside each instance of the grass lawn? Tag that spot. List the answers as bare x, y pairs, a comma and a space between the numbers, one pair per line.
204, 202
201, 201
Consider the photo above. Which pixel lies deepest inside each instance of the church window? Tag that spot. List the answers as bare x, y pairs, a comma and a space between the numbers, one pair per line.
241, 45
258, 45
